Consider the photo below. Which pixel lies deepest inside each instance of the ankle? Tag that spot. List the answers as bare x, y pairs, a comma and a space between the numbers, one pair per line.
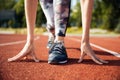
51, 37
59, 39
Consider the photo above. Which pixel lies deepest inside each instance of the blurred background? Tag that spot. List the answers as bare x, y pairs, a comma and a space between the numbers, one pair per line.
106, 16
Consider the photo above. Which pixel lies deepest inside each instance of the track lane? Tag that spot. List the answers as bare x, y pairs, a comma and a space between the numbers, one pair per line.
29, 70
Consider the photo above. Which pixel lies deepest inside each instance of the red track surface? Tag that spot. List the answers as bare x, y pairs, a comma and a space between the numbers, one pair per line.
87, 70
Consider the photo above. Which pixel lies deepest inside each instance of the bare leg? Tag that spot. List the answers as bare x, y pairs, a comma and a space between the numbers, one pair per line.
86, 9
30, 12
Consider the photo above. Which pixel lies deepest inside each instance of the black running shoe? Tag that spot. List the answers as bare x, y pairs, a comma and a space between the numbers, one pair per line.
50, 42
57, 54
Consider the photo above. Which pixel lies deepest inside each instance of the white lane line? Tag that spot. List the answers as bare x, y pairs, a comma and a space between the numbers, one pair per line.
99, 47
17, 42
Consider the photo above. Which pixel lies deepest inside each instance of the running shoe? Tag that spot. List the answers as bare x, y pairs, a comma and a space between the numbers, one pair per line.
57, 54
50, 42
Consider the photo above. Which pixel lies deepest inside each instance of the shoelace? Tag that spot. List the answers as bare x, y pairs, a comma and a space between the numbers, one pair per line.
57, 47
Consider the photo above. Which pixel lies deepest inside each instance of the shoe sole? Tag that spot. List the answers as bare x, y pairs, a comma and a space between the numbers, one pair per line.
61, 62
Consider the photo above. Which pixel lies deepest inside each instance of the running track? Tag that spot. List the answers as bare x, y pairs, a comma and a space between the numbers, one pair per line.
107, 48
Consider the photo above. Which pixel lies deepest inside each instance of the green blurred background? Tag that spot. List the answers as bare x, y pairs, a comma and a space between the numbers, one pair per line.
106, 15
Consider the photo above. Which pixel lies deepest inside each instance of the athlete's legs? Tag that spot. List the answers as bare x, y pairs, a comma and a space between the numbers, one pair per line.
61, 11
57, 53
47, 7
